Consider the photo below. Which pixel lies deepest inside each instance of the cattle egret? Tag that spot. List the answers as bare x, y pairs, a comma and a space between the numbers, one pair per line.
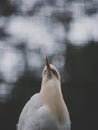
46, 110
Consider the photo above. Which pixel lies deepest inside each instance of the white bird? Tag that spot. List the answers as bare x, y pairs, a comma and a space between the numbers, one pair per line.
46, 110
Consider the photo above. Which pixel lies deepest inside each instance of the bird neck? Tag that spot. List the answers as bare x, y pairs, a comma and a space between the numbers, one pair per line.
52, 96
51, 87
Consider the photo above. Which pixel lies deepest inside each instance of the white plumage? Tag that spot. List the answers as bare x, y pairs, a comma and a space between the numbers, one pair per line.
46, 110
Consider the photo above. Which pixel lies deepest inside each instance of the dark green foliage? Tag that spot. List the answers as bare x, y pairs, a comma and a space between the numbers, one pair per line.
6, 8
82, 62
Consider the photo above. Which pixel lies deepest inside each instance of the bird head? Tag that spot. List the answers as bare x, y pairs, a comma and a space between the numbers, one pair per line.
50, 72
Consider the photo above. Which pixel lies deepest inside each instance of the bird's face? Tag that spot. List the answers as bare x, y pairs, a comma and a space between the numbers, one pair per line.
50, 72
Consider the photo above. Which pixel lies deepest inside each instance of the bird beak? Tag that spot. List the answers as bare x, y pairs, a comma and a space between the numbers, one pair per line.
48, 67
47, 64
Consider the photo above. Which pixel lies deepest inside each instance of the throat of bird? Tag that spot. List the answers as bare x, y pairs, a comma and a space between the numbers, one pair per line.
52, 87
52, 97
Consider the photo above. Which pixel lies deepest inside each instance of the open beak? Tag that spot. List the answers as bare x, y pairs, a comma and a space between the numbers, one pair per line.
47, 63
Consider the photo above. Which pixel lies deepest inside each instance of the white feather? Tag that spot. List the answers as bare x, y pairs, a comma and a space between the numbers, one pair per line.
46, 110
37, 116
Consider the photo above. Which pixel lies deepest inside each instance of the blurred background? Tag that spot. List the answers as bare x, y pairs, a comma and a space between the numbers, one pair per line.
65, 30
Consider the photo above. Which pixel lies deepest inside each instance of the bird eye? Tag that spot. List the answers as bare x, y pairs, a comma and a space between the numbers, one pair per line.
55, 73
44, 71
